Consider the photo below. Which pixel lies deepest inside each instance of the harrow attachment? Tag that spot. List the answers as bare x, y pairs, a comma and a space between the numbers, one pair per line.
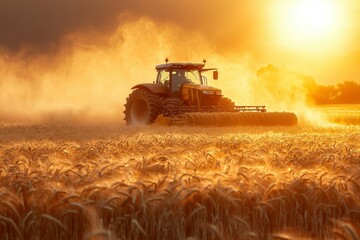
237, 118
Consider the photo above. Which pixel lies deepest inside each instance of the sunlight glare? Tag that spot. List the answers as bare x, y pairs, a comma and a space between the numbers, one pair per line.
312, 18
309, 24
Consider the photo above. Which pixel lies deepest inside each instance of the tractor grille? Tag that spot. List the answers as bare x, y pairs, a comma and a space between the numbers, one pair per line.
199, 99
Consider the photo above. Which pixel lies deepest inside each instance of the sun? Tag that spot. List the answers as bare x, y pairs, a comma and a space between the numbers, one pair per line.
306, 24
312, 18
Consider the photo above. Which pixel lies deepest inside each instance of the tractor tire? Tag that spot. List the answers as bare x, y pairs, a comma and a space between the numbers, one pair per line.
171, 107
142, 107
226, 105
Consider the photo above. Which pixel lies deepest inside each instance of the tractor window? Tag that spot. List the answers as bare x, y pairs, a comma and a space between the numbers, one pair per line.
193, 76
180, 76
164, 77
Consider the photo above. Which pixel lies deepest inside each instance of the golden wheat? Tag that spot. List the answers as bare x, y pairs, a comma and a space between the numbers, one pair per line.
180, 183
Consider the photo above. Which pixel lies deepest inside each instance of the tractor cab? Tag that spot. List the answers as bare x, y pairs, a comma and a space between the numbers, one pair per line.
185, 81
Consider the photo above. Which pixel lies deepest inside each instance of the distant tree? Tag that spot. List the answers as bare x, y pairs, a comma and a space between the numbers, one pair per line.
283, 82
348, 93
323, 94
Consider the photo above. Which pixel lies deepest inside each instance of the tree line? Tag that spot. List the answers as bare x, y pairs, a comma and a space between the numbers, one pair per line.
347, 92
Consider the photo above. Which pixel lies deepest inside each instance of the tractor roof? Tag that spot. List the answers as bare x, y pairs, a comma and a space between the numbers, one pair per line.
185, 66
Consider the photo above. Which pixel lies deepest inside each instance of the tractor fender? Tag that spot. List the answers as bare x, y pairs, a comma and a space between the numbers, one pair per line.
156, 88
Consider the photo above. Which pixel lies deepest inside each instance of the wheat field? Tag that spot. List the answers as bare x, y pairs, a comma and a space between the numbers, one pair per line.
117, 182
340, 115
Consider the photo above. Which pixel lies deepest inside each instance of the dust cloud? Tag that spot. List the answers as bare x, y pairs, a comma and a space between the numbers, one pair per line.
89, 76
87, 81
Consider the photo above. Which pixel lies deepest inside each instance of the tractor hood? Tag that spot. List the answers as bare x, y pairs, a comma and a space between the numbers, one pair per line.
200, 95
208, 90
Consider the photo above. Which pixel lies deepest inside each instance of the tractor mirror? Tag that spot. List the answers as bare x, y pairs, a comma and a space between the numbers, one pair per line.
215, 75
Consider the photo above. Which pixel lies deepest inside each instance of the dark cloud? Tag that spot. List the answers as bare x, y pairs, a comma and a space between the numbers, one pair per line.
40, 24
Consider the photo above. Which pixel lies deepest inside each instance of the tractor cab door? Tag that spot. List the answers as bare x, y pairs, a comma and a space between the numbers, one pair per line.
177, 79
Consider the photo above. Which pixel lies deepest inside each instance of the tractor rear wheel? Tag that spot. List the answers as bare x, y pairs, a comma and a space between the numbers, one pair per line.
142, 107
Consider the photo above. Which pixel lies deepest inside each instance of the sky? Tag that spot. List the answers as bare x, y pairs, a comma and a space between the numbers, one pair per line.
86, 50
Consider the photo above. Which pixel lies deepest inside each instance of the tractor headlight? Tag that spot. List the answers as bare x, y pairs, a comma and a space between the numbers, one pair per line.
208, 92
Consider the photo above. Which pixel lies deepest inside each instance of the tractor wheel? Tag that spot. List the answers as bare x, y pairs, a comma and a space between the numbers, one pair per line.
226, 105
142, 107
171, 107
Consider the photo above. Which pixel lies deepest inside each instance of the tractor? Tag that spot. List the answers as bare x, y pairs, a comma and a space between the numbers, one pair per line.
181, 93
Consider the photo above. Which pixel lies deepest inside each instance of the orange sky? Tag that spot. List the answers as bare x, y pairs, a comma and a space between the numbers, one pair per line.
259, 28
90, 52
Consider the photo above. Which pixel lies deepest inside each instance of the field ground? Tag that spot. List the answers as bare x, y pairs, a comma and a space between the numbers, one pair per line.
157, 182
